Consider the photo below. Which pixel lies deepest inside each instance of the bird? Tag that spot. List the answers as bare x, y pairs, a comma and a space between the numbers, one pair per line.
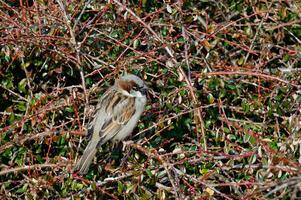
116, 115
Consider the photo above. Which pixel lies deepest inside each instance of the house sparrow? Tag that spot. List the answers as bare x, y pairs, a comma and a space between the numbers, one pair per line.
115, 117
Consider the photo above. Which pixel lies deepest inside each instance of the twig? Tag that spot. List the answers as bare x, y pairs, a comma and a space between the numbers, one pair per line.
173, 117
291, 23
129, 47
166, 166
31, 137
10, 113
77, 50
16, 94
36, 166
163, 187
29, 98
234, 22
255, 36
78, 64
252, 74
113, 179
286, 183
81, 13
196, 181
186, 52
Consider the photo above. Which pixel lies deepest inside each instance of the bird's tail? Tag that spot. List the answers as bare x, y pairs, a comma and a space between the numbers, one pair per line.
85, 161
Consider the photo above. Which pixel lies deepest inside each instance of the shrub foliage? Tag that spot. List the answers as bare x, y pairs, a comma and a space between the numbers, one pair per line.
223, 118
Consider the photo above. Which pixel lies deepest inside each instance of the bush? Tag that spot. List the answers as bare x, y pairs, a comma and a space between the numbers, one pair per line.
222, 120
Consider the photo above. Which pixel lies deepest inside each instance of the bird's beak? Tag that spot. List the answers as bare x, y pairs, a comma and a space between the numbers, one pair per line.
144, 90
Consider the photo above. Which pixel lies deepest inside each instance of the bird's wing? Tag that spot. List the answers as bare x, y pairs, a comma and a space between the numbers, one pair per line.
112, 113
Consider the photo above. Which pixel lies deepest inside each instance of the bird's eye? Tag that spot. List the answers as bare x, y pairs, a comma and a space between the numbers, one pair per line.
137, 88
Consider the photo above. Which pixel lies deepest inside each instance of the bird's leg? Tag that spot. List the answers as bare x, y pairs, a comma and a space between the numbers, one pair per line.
125, 144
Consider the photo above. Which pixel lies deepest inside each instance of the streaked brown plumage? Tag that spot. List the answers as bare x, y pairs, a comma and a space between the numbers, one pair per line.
116, 115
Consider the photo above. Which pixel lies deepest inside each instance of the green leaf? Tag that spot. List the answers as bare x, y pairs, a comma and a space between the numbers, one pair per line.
214, 83
22, 189
114, 34
231, 87
231, 136
204, 171
208, 123
222, 93
227, 130
40, 159
246, 138
77, 186
120, 188
129, 188
25, 65
193, 148
149, 173
38, 62
69, 109
273, 145
253, 140
136, 43
89, 82
11, 118
93, 186
245, 106
210, 98
164, 31
22, 85
7, 58
240, 61
21, 106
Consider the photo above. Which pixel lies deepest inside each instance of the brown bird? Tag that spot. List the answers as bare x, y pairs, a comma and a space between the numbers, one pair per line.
115, 117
